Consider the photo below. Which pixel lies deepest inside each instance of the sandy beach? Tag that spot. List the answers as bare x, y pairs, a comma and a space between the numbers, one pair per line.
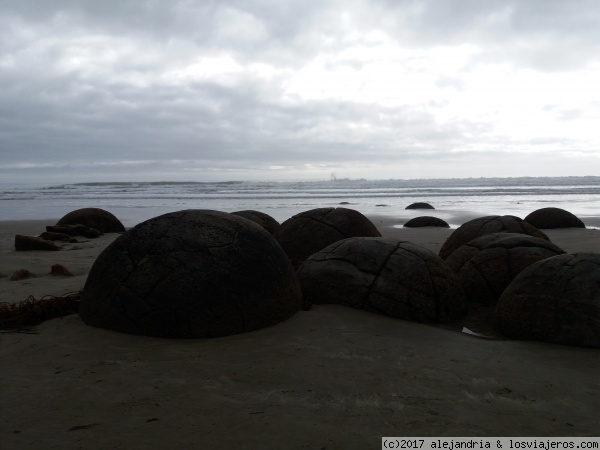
328, 378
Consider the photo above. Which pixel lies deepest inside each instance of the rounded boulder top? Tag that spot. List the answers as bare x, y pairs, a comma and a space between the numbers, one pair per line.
419, 205
426, 221
308, 232
548, 218
386, 276
487, 225
191, 274
97, 218
554, 300
261, 218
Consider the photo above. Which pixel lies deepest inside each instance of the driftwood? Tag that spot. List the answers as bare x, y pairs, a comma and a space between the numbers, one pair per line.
19, 317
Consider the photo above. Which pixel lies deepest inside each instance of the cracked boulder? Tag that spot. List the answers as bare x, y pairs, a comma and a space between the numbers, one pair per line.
426, 221
548, 218
261, 218
487, 264
97, 218
554, 300
191, 274
395, 278
487, 225
308, 232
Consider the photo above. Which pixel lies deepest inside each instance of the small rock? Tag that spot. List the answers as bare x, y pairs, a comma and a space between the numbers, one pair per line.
51, 236
60, 270
21, 274
25, 243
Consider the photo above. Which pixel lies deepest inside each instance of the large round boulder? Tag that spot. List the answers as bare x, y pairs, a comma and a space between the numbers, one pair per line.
385, 276
191, 274
426, 221
261, 218
486, 265
548, 218
487, 225
554, 300
308, 232
419, 205
97, 218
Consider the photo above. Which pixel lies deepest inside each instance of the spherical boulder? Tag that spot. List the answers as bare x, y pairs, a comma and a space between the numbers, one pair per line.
419, 205
554, 300
426, 221
261, 218
97, 218
486, 225
548, 218
191, 274
308, 232
486, 265
385, 276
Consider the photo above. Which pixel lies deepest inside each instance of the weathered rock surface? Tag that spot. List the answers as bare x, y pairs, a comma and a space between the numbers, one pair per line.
28, 243
191, 274
419, 205
554, 300
59, 270
74, 230
486, 265
21, 274
398, 279
548, 218
52, 236
486, 225
97, 218
264, 220
308, 232
426, 221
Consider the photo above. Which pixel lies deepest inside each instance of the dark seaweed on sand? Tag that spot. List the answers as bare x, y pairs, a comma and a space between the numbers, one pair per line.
17, 317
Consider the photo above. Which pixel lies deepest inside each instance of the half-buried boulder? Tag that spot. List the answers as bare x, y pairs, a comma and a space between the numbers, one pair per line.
308, 232
426, 221
487, 225
554, 300
261, 218
385, 276
419, 205
487, 264
191, 274
548, 218
97, 218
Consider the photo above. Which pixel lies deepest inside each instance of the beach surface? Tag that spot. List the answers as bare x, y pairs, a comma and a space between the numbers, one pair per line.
328, 378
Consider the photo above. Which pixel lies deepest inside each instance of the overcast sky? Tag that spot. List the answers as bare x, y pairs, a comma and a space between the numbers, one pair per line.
262, 89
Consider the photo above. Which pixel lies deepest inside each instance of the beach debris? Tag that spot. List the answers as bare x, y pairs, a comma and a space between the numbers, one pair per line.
264, 220
486, 265
308, 232
191, 274
487, 225
419, 205
554, 300
97, 218
29, 243
74, 230
21, 274
386, 276
547, 218
60, 270
30, 312
51, 236
426, 221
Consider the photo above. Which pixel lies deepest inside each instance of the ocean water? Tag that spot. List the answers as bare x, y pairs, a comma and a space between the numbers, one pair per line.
454, 199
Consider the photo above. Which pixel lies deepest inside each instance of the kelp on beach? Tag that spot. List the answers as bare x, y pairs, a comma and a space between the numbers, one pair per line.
17, 317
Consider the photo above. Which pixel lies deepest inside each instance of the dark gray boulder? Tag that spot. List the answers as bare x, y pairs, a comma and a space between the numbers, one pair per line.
264, 220
426, 221
486, 265
554, 300
487, 225
419, 205
548, 218
28, 243
191, 274
308, 232
97, 218
385, 276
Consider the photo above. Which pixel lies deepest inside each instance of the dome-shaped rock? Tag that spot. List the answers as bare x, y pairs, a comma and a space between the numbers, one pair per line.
487, 225
308, 232
419, 205
487, 264
554, 300
264, 220
191, 274
548, 218
398, 279
426, 221
97, 218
